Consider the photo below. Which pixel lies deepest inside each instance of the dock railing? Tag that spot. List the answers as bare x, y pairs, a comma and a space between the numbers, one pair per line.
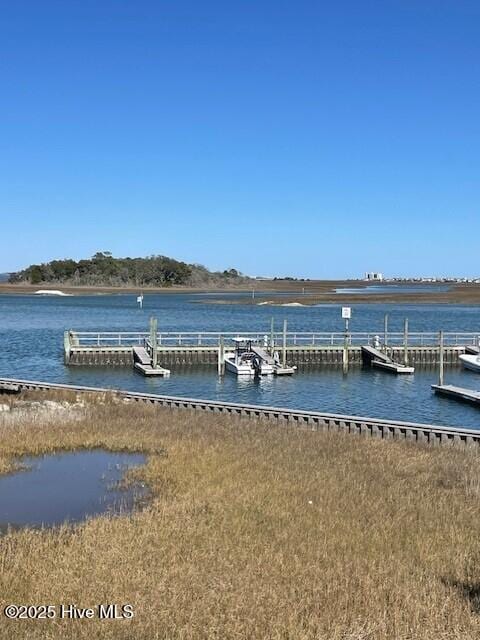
299, 339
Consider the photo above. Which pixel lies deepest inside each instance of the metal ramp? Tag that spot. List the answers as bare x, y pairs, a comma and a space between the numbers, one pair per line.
381, 360
141, 355
470, 349
278, 368
370, 354
263, 355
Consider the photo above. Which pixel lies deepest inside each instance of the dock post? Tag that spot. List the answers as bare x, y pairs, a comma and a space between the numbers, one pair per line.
385, 331
272, 346
284, 348
221, 356
66, 347
153, 341
405, 342
440, 348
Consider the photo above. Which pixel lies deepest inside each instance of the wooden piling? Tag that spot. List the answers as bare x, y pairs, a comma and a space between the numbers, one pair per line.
440, 347
272, 333
284, 346
405, 342
221, 356
153, 341
385, 331
66, 347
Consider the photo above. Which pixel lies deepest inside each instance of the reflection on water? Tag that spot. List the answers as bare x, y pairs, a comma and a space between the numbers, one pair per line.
67, 487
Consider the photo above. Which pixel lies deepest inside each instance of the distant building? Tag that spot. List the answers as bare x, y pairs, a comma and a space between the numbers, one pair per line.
374, 275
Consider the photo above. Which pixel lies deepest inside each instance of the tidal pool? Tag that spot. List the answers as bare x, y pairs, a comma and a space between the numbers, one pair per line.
67, 487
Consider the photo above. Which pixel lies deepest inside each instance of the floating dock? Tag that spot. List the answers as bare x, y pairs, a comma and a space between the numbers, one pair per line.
457, 393
144, 363
393, 367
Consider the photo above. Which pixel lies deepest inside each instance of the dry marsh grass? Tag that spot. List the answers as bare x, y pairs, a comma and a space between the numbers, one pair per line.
253, 531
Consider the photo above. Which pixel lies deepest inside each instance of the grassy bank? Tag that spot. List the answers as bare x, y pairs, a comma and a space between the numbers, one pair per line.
324, 293
253, 531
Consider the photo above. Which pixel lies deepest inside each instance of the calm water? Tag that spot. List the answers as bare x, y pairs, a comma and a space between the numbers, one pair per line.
395, 288
31, 342
66, 487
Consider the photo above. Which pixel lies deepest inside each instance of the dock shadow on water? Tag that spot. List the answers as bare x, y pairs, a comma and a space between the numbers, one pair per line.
68, 488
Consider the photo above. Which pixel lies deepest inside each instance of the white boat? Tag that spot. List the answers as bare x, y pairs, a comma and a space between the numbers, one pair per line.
471, 362
244, 361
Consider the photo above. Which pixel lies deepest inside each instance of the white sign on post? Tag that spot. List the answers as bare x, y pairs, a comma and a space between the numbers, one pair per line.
346, 313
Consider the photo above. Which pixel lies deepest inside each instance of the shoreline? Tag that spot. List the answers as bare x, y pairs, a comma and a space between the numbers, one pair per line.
21, 289
316, 293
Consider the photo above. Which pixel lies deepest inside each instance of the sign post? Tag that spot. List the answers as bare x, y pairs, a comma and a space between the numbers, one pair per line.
346, 315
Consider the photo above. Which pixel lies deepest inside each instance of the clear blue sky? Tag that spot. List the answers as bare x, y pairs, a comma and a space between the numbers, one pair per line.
306, 138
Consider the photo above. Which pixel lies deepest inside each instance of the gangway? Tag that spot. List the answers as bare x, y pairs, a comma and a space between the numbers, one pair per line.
278, 368
383, 361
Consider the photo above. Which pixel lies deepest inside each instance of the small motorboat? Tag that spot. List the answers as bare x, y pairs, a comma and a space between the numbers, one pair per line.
471, 362
245, 361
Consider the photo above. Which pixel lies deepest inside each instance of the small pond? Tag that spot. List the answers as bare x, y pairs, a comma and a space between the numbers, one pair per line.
67, 487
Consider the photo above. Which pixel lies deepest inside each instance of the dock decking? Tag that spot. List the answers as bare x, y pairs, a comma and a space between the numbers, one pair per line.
393, 367
457, 393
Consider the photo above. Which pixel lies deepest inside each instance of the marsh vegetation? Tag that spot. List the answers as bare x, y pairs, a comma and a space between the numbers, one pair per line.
252, 531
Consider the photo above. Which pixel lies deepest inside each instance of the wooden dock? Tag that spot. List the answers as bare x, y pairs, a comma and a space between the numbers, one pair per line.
457, 393
300, 348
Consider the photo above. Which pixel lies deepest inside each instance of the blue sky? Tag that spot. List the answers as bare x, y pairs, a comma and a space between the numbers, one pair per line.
316, 139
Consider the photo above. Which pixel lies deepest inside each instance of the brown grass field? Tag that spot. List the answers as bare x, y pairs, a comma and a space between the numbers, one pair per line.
253, 531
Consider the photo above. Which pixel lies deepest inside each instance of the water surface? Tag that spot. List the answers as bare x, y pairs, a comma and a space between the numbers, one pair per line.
31, 346
395, 288
67, 487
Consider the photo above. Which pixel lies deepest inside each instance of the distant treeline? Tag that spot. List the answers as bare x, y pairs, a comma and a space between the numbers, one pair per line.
105, 270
